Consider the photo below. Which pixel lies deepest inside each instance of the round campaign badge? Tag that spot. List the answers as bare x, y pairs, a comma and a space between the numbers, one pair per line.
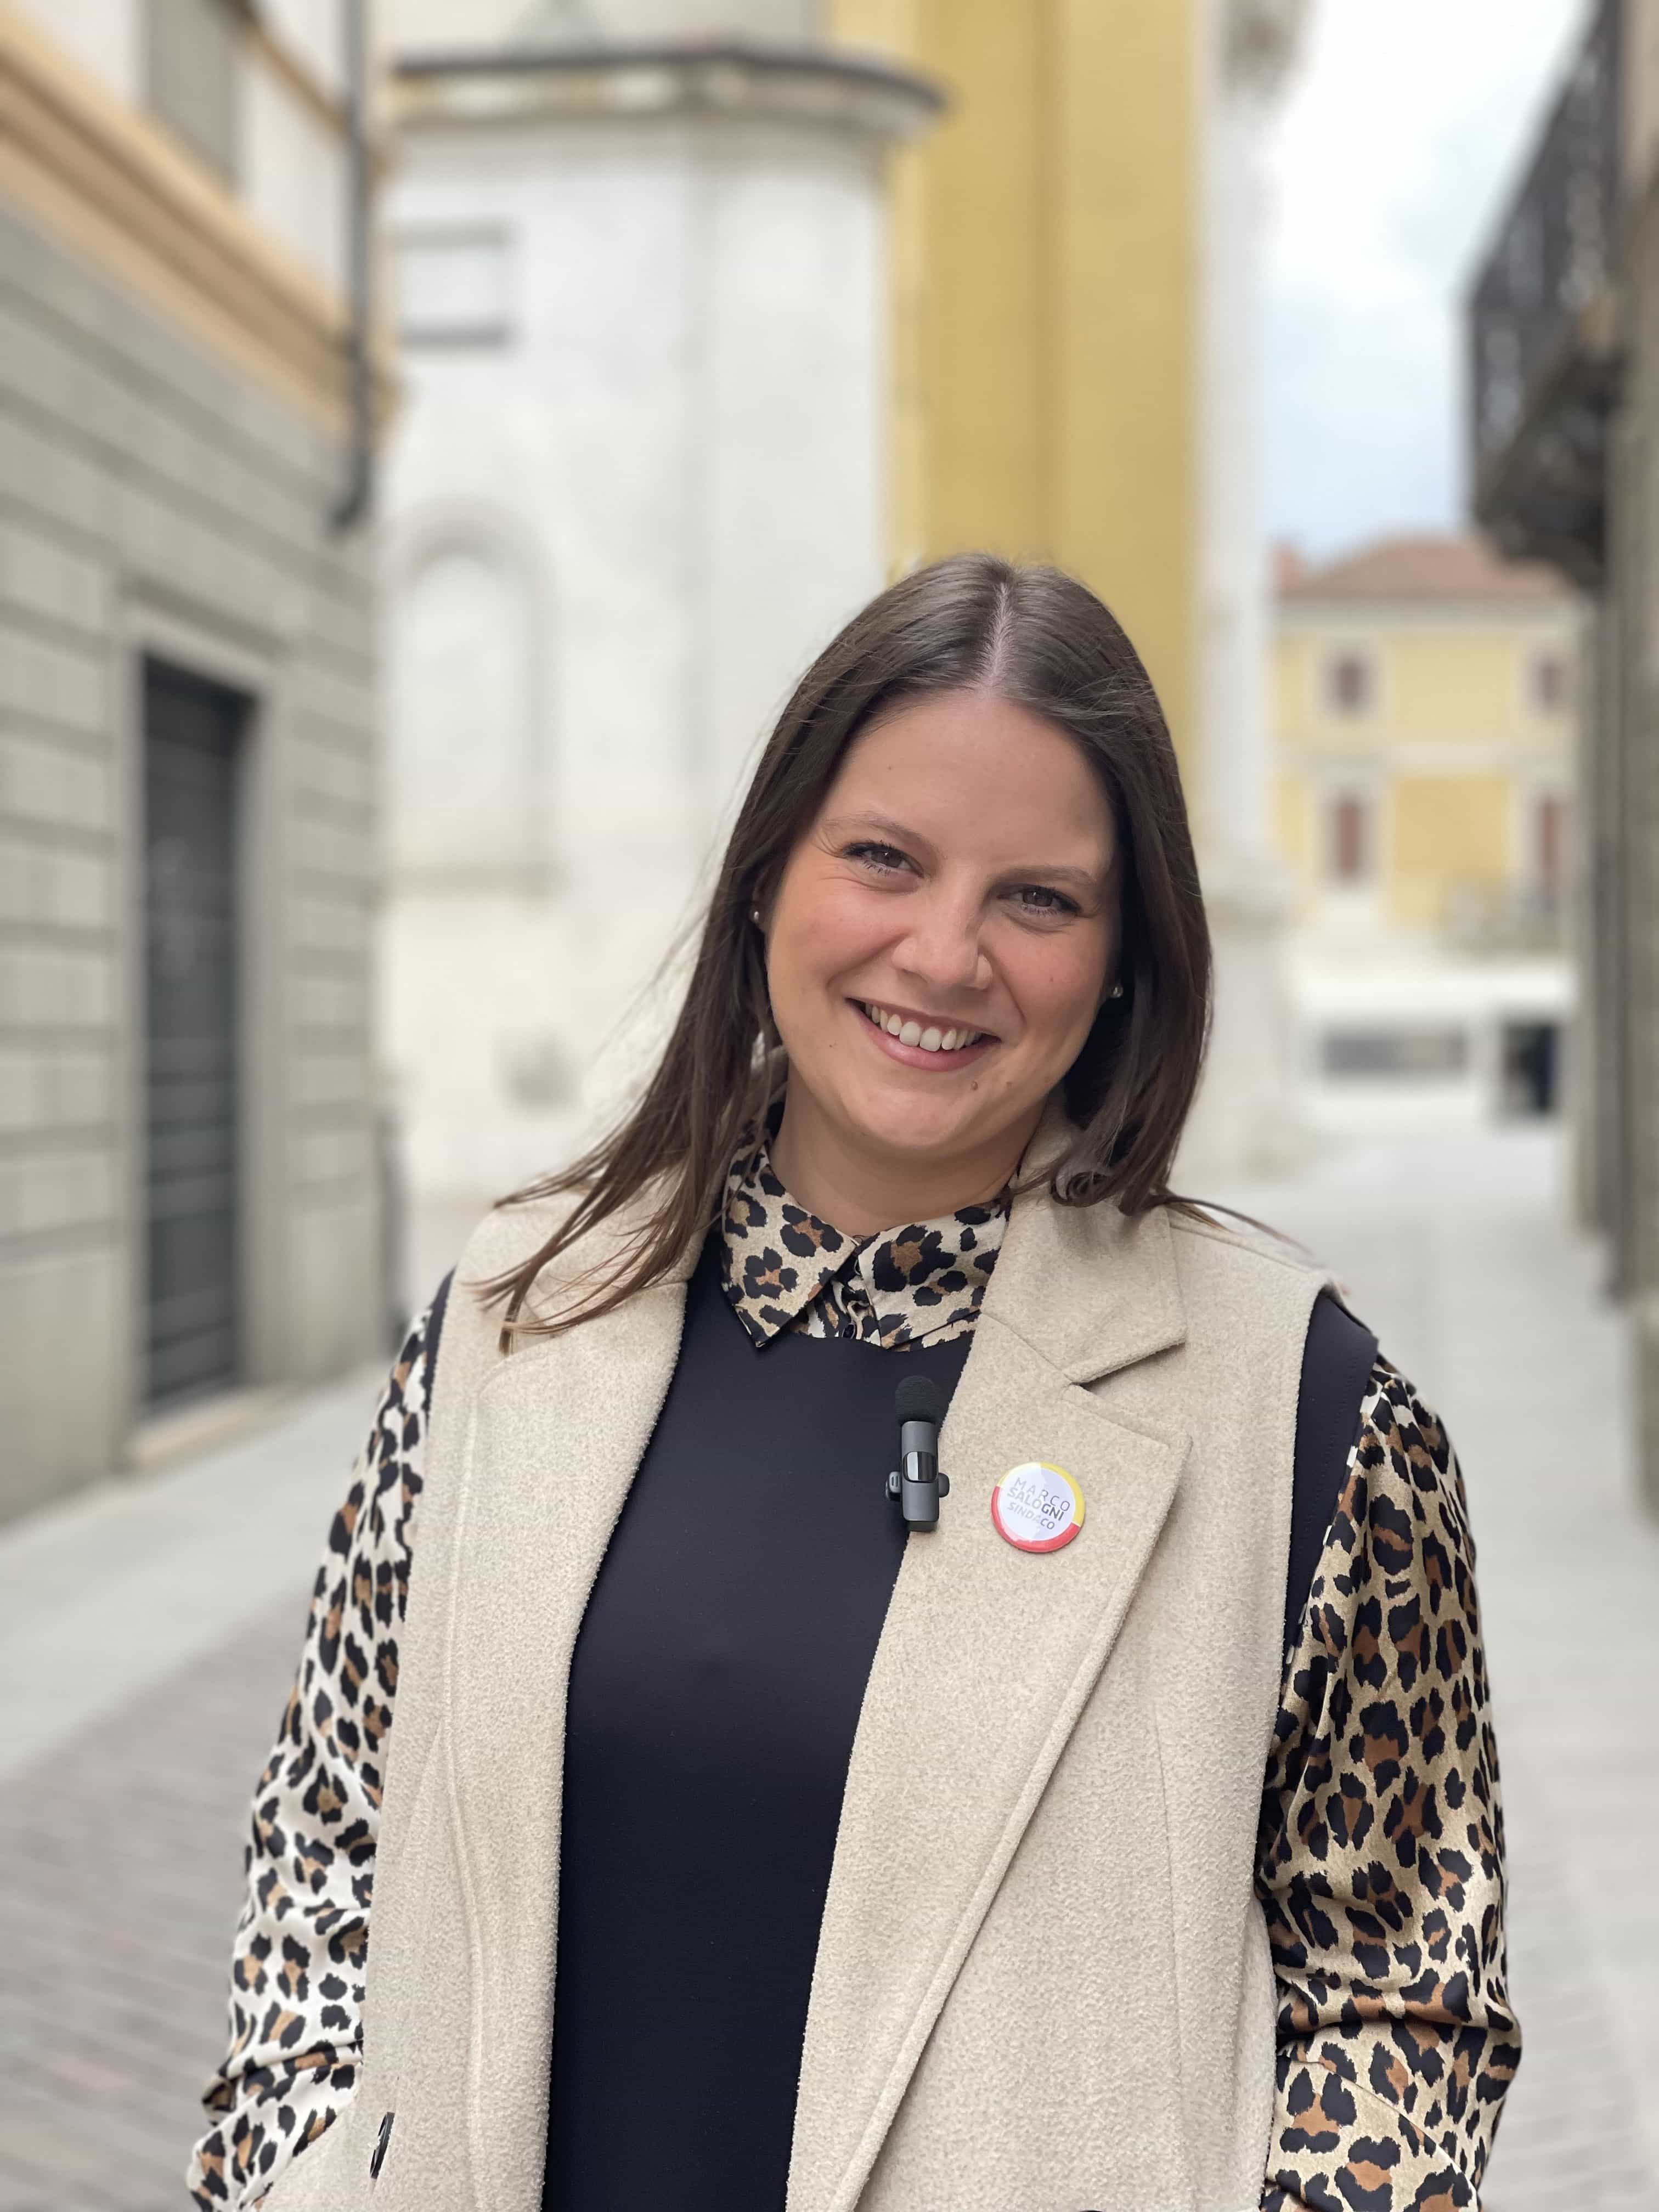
1036, 1508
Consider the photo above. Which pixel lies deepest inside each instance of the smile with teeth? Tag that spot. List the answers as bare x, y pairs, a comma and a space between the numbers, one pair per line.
911, 1031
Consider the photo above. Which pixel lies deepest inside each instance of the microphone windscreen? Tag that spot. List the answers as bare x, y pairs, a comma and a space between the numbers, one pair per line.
917, 1400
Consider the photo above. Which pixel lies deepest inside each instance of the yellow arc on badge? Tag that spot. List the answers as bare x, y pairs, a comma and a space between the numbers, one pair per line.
1036, 1507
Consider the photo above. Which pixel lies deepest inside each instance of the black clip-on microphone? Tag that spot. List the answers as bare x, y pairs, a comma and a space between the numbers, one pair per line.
916, 1482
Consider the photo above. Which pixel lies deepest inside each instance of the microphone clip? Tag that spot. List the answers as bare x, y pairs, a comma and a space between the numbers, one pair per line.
916, 1484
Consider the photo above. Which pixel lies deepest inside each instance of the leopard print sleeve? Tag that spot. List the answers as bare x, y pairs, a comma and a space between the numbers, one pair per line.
1380, 1860
299, 1956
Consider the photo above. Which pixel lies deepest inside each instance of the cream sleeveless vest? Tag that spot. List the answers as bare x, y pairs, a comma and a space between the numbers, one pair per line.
1043, 1982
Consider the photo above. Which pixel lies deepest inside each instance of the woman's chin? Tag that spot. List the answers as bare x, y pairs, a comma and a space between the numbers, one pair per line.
921, 1129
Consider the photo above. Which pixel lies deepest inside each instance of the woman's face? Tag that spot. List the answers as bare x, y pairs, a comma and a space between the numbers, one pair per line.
943, 936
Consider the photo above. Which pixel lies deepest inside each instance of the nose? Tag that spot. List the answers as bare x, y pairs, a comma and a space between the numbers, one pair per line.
942, 948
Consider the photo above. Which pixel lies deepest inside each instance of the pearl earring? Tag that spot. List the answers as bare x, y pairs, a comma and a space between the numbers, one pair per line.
754, 916
1116, 991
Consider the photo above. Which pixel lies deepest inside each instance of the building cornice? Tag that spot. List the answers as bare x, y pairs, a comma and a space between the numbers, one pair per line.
111, 183
1348, 615
1517, 754
742, 79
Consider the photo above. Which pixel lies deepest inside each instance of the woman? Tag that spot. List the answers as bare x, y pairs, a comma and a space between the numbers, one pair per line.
1130, 1837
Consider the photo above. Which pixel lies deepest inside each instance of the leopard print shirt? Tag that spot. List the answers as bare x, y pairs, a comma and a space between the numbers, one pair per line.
1379, 1859
784, 1268
300, 1947
1380, 1852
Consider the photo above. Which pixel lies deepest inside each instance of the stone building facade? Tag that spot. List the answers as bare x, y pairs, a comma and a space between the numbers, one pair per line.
1563, 348
189, 1199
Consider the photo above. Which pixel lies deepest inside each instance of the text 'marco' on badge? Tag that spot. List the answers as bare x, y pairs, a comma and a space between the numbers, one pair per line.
1036, 1508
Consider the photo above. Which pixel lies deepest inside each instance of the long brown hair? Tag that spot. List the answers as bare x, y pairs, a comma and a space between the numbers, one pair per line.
1043, 640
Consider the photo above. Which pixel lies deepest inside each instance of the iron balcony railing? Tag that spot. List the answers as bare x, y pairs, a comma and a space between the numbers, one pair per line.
1543, 362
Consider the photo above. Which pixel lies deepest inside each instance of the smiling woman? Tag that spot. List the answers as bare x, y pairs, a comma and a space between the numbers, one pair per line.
761, 1837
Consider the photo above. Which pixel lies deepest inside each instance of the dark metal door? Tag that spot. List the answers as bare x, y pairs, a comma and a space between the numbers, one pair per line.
192, 738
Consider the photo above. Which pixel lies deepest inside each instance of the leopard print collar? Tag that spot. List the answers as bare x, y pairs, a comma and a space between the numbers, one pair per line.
784, 1268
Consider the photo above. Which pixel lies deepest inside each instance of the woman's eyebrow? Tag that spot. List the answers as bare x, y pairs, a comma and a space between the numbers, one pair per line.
1091, 879
877, 825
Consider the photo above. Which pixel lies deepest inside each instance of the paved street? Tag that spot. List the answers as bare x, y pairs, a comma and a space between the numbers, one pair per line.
147, 1635
1455, 1254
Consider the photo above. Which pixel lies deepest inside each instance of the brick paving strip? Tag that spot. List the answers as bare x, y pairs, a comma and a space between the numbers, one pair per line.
148, 1636
122, 1853
126, 1756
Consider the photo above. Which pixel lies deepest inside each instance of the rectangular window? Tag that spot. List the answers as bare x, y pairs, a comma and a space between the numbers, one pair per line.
1403, 1055
1350, 682
1549, 842
453, 287
1548, 682
190, 52
1348, 857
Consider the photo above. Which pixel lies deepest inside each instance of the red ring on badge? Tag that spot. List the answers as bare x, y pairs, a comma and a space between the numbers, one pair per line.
1036, 1507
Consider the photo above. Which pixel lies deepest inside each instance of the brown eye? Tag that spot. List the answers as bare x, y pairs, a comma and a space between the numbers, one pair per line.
886, 859
1040, 899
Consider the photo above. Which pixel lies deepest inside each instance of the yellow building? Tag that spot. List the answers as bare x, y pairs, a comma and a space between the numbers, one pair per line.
1046, 401
1047, 247
1423, 720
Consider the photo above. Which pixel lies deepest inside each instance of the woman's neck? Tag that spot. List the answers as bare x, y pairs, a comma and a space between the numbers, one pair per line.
861, 1192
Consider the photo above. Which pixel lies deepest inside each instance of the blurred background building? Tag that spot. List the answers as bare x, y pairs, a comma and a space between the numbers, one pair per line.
188, 1190
1564, 334
1424, 720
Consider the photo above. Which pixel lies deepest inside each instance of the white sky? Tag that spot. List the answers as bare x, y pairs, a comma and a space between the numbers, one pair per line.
1395, 150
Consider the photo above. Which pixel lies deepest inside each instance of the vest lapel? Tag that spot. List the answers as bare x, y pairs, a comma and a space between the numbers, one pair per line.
558, 1437
986, 1660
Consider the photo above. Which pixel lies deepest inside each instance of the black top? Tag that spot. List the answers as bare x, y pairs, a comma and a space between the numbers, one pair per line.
714, 1691
1336, 1365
